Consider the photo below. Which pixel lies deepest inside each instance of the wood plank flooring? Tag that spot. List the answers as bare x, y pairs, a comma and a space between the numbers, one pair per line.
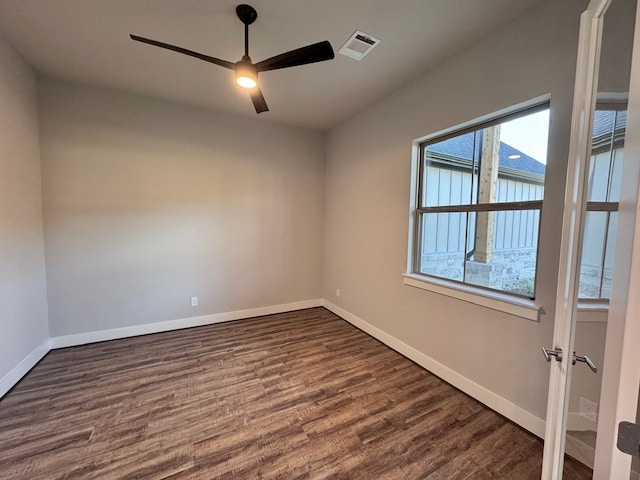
302, 395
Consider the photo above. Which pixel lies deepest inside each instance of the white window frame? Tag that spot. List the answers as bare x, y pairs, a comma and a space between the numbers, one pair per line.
501, 301
616, 103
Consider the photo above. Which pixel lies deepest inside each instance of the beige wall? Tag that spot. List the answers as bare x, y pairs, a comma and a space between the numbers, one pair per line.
149, 203
367, 204
23, 308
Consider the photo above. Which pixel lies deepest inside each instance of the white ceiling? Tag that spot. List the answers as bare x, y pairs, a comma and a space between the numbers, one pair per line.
88, 41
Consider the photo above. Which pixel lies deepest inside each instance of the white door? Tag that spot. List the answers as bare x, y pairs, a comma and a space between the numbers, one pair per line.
621, 376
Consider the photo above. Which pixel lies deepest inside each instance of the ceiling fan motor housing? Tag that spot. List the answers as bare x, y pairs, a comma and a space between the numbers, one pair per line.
246, 73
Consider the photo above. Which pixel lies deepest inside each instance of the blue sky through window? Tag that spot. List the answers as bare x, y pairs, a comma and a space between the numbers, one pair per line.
529, 134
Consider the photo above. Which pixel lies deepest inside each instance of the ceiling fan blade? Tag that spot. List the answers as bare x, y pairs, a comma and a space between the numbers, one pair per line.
258, 101
317, 52
206, 58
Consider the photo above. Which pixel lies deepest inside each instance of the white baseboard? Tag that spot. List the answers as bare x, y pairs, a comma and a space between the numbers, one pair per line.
501, 405
577, 423
20, 370
10, 379
144, 329
518, 415
578, 449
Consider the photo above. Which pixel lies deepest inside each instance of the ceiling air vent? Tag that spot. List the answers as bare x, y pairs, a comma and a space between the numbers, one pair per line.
358, 45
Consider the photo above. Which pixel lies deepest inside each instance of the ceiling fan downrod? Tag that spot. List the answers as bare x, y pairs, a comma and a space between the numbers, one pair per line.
247, 15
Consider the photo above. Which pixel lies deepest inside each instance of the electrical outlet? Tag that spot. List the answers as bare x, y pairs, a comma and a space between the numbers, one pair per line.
338, 292
194, 301
589, 410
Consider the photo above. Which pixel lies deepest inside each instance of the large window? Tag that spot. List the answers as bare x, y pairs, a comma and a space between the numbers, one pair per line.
479, 197
603, 194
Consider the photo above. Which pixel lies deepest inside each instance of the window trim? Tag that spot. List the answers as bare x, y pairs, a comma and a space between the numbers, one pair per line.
416, 210
605, 102
503, 302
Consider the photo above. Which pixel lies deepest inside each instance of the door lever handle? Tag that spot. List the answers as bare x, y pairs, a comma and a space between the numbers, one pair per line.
548, 353
585, 359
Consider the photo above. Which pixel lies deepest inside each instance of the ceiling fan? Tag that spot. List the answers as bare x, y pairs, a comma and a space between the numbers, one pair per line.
246, 71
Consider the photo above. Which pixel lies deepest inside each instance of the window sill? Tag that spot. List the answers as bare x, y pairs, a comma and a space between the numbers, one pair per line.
587, 306
521, 307
592, 311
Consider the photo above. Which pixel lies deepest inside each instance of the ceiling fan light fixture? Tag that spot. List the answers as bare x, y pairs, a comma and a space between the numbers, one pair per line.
246, 74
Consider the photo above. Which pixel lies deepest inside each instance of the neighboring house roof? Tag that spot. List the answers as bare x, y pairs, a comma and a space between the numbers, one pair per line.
606, 123
603, 122
461, 147
524, 164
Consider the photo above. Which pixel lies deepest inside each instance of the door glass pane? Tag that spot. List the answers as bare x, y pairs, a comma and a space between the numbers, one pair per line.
600, 227
593, 255
607, 269
635, 462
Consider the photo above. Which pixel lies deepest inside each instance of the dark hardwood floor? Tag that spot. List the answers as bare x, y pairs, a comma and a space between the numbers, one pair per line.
289, 396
